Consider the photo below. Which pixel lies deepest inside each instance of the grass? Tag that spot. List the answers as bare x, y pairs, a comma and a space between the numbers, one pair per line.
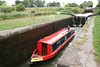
82, 37
85, 28
39, 12
21, 22
96, 38
81, 42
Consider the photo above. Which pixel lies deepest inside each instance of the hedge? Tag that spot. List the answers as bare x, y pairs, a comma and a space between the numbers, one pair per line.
38, 12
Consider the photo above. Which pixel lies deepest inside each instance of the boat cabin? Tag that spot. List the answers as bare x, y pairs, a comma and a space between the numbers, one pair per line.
49, 44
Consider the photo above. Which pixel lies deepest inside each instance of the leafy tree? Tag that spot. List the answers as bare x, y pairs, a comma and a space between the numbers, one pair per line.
13, 8
98, 5
18, 2
90, 4
73, 5
53, 4
67, 5
31, 3
85, 4
20, 7
97, 9
58, 4
44, 1
2, 2
39, 3
5, 9
26, 3
81, 5
36, 3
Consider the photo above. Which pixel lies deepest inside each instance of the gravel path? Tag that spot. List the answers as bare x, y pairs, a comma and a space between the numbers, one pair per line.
80, 51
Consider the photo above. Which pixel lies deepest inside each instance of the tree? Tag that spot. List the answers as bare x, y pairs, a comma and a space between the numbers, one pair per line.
90, 4
81, 6
98, 5
85, 4
26, 3
5, 8
58, 4
36, 3
31, 3
2, 2
67, 5
73, 5
20, 7
44, 1
18, 2
97, 10
39, 3
53, 4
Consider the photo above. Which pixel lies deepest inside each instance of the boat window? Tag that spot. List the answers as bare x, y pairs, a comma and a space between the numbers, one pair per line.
54, 46
36, 52
44, 49
60, 41
35, 56
69, 34
65, 37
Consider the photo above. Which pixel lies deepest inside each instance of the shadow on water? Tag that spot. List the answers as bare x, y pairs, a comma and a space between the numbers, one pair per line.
51, 62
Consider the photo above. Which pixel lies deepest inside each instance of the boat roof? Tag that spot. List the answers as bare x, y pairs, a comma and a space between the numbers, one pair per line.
54, 37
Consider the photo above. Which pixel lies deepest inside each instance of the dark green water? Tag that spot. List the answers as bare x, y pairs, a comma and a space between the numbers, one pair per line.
53, 61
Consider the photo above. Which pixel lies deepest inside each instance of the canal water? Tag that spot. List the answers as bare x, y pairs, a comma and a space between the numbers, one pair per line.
53, 61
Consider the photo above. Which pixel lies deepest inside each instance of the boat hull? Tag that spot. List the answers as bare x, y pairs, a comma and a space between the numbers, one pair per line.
46, 57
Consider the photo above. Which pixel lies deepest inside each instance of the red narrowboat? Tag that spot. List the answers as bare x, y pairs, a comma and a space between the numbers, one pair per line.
49, 46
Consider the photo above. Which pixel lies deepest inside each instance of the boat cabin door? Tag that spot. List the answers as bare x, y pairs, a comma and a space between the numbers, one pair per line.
44, 49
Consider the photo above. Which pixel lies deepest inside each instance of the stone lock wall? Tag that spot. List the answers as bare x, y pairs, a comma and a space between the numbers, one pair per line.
17, 45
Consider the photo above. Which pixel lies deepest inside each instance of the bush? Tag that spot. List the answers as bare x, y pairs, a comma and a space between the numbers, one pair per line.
76, 10
97, 10
18, 15
5, 9
38, 12
5, 16
13, 8
59, 9
20, 7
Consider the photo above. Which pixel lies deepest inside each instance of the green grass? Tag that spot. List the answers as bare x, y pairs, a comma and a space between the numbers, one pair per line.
39, 12
82, 37
85, 28
81, 42
96, 38
21, 22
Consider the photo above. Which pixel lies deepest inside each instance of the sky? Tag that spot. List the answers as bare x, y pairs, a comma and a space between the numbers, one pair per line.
62, 2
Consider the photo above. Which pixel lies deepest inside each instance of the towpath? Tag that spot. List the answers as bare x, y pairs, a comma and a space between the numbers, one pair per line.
80, 51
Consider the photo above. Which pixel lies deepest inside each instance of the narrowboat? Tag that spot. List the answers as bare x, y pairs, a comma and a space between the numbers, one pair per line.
49, 46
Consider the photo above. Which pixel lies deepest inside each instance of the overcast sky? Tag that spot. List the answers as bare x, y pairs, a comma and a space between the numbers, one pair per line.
95, 2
